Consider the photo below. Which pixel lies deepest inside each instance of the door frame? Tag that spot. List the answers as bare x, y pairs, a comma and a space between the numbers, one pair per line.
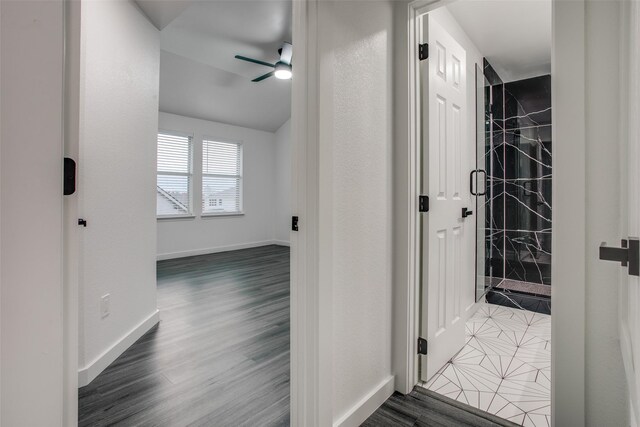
310, 324
569, 243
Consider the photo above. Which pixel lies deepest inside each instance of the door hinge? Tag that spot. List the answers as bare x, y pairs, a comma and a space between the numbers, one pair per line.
423, 51
423, 203
422, 346
294, 223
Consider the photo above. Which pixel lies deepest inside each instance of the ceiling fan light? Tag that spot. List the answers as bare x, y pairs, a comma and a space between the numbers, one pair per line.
283, 71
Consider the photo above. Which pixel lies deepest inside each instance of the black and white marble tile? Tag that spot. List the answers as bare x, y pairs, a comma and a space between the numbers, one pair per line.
527, 204
519, 167
527, 152
508, 298
490, 74
527, 256
527, 102
494, 255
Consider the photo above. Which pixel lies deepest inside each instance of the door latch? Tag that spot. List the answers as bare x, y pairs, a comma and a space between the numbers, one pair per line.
422, 346
628, 255
466, 212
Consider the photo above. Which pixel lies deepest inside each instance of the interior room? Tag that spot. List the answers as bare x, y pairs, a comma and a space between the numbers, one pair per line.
184, 319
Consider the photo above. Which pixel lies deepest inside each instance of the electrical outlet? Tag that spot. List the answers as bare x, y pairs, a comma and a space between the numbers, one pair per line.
105, 303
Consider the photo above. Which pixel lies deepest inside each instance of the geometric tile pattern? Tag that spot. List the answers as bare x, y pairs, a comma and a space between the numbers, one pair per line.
505, 366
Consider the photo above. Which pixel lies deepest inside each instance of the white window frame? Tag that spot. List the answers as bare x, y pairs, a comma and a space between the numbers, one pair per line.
240, 177
189, 174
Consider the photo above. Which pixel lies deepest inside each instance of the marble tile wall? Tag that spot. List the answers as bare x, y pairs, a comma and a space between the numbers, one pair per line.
519, 164
527, 180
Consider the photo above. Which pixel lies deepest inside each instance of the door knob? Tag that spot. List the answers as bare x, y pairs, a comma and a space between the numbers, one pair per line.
466, 212
628, 255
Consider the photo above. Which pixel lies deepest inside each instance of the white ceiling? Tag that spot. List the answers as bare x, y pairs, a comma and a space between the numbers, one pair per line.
161, 13
199, 76
514, 35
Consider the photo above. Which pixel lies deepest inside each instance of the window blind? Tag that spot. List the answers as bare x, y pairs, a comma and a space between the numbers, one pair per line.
173, 192
221, 177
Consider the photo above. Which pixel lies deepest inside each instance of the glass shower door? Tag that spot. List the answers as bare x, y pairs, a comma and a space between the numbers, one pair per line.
478, 184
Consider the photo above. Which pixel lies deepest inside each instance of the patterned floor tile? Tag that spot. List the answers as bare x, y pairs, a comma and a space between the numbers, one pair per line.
505, 367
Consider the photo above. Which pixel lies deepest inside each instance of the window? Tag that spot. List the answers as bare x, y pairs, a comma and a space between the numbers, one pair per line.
221, 177
173, 191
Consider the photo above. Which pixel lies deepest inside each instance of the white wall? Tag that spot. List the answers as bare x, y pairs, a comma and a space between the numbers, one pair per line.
197, 235
282, 218
31, 55
119, 79
588, 385
355, 172
606, 390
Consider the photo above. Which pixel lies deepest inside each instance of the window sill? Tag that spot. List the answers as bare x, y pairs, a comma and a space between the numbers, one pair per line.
214, 215
175, 217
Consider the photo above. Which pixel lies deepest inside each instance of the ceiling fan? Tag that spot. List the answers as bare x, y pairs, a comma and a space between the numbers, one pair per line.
281, 69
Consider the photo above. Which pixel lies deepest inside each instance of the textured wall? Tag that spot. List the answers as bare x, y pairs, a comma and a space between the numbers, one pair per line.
190, 236
356, 109
118, 125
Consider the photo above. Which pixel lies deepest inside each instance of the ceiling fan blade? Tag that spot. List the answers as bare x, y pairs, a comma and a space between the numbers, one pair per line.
286, 53
264, 76
255, 61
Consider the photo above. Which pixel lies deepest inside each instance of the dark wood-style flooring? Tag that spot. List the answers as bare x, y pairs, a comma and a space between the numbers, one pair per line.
425, 408
218, 357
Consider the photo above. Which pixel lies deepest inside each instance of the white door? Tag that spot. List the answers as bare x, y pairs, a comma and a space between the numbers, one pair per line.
447, 252
630, 286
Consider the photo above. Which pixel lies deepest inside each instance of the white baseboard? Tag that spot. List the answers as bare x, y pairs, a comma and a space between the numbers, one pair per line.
182, 254
93, 369
367, 405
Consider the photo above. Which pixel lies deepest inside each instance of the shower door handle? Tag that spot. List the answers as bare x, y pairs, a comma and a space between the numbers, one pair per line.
471, 186
628, 255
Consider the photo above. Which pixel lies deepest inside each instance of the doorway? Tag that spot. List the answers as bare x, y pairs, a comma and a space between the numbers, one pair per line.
486, 237
184, 194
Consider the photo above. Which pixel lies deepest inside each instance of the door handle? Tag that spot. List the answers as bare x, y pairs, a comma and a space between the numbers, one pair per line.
471, 182
466, 212
628, 255
471, 186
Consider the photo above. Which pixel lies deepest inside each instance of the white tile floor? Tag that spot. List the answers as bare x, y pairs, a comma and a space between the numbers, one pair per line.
505, 367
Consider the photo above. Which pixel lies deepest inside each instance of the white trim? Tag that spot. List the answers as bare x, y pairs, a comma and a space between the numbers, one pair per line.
176, 133
407, 319
71, 254
93, 369
311, 352
178, 217
213, 215
205, 251
568, 275
281, 242
367, 405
